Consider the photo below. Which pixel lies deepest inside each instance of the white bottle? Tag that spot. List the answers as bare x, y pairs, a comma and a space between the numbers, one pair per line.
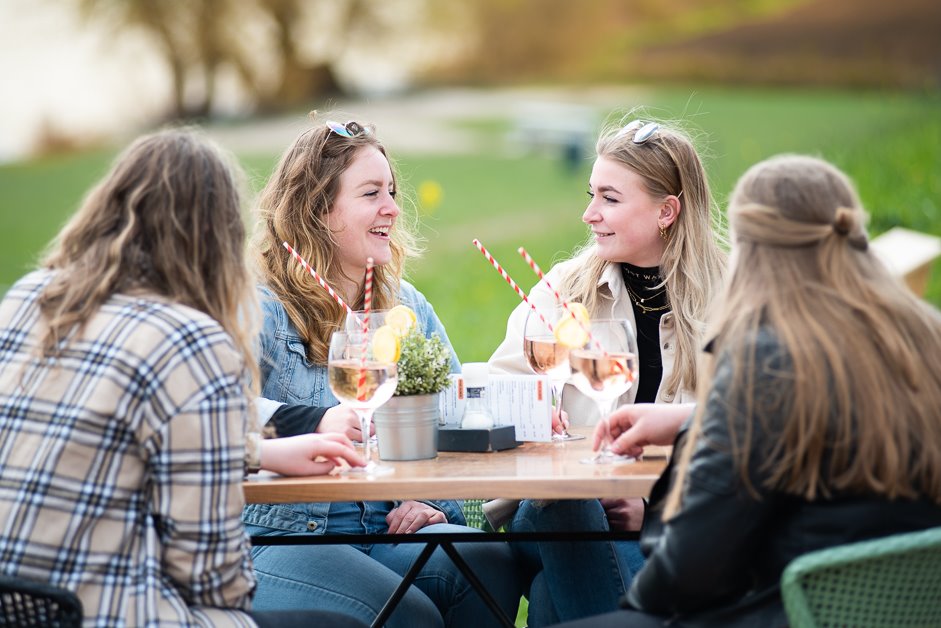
476, 414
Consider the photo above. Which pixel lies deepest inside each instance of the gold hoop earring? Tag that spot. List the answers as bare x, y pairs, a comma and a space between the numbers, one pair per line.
663, 232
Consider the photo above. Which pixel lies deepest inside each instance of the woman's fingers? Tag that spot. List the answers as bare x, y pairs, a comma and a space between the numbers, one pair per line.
340, 450
412, 516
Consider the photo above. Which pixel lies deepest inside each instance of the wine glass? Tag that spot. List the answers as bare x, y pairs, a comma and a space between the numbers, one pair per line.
362, 377
547, 356
354, 323
604, 369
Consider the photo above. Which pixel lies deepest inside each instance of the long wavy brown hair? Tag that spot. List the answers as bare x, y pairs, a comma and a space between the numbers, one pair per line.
692, 263
862, 412
166, 220
293, 208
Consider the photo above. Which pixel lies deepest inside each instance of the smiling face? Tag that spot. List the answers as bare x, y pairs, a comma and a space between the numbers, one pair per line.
364, 213
623, 217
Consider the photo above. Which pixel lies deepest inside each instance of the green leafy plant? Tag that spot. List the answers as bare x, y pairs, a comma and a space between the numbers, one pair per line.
424, 364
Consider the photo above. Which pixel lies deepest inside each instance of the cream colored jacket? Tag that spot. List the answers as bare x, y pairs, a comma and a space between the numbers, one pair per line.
508, 358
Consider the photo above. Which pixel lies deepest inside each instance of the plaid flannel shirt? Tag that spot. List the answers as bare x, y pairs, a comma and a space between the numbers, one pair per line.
121, 461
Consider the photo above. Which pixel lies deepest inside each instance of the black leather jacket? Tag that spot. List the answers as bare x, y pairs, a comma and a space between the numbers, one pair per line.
719, 561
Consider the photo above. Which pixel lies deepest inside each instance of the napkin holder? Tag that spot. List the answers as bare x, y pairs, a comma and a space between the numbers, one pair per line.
495, 439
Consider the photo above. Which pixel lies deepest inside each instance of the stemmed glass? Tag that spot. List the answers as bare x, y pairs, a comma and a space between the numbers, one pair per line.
547, 356
362, 382
354, 323
604, 369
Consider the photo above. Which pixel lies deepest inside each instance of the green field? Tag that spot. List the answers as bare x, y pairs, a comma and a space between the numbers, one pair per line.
890, 143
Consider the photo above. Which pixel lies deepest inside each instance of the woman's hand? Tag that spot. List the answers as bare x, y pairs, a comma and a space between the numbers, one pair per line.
624, 514
308, 454
411, 516
342, 420
635, 426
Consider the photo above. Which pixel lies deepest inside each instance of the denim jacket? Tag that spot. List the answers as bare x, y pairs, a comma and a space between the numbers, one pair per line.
288, 376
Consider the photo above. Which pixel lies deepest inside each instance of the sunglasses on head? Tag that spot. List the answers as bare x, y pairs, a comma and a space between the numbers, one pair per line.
350, 129
642, 131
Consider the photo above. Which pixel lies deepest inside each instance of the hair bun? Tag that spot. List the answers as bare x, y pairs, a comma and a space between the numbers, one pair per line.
844, 221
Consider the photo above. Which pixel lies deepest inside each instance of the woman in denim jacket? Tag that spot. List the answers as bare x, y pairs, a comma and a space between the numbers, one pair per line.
333, 198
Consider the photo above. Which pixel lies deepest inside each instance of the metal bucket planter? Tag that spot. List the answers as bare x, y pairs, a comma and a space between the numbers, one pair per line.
407, 427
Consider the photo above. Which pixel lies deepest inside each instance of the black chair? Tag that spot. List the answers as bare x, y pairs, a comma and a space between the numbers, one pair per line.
29, 603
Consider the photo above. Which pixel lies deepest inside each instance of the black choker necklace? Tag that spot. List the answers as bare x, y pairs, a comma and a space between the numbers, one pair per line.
649, 275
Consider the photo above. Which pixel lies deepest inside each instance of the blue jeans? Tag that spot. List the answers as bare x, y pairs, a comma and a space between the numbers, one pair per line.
571, 580
357, 580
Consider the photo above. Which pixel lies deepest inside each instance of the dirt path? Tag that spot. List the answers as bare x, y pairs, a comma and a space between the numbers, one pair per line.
429, 121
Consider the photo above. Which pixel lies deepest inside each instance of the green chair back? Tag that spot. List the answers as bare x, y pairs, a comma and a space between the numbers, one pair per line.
890, 581
474, 514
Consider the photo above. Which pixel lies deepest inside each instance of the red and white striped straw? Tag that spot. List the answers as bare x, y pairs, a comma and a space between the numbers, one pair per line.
509, 280
367, 294
313, 273
367, 303
558, 297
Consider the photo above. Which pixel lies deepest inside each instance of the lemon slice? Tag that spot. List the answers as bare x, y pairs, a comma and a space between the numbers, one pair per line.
580, 312
571, 332
400, 318
385, 345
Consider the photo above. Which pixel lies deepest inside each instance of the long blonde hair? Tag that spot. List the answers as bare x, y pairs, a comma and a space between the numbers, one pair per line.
166, 220
692, 264
293, 208
862, 413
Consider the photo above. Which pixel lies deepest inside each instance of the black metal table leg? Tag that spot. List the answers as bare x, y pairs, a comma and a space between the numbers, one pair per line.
475, 582
445, 541
407, 581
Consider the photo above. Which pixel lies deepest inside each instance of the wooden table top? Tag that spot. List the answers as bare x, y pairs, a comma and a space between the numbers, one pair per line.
532, 470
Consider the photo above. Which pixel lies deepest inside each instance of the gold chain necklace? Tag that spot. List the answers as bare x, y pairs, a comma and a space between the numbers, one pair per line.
639, 302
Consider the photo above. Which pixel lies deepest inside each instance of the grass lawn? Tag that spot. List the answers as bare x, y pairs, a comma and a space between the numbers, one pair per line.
888, 142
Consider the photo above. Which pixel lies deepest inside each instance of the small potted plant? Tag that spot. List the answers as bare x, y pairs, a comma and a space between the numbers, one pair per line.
407, 424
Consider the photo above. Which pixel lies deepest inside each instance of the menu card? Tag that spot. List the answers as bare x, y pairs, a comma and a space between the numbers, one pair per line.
523, 401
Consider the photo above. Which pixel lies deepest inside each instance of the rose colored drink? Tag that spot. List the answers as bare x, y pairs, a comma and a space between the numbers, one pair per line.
544, 354
605, 375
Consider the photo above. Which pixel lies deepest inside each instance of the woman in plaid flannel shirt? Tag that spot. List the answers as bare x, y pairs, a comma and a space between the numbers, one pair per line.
125, 370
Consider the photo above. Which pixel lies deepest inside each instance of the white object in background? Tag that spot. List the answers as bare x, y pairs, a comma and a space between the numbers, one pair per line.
908, 255
476, 412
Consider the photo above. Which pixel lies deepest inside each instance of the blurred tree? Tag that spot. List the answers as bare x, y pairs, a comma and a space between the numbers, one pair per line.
299, 79
282, 52
195, 38
313, 38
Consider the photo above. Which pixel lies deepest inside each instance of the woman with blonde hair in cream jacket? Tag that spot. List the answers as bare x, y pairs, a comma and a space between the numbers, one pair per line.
654, 259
